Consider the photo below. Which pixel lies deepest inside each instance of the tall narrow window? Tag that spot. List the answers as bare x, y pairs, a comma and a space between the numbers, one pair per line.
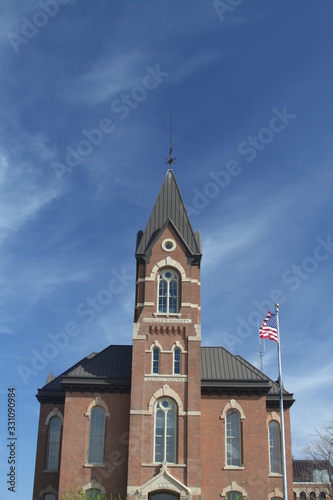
274, 447
156, 360
177, 356
165, 431
53, 444
49, 496
233, 438
168, 292
96, 435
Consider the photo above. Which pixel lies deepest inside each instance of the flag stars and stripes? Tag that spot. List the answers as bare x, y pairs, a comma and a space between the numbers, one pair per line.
268, 329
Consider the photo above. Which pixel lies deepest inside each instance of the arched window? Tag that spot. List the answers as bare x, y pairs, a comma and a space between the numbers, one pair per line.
274, 447
233, 438
302, 496
96, 435
49, 496
322, 496
234, 495
313, 496
295, 496
165, 431
53, 444
168, 292
92, 494
177, 358
156, 360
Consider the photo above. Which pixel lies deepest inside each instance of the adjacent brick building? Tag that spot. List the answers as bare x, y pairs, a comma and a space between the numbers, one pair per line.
164, 418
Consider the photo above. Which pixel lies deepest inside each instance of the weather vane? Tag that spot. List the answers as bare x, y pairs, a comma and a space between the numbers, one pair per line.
170, 160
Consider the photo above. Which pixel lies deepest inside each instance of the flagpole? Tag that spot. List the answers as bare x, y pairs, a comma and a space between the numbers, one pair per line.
283, 444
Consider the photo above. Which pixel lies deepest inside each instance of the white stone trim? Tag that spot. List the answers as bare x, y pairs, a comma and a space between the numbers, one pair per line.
48, 489
273, 416
165, 378
163, 481
169, 319
275, 493
232, 404
94, 485
183, 414
155, 344
54, 413
98, 401
233, 487
192, 280
165, 391
165, 242
168, 262
136, 336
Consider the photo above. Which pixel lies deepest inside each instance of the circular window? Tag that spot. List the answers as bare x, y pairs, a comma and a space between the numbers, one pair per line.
168, 245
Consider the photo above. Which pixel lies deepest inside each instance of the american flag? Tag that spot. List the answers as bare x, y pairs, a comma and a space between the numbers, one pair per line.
268, 329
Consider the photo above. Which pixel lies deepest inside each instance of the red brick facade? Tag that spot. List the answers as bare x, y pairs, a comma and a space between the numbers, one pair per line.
199, 471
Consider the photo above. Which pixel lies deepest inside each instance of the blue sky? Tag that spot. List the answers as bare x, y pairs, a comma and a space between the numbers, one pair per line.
86, 89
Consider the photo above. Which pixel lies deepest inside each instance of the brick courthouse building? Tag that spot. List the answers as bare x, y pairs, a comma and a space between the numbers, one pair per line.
164, 418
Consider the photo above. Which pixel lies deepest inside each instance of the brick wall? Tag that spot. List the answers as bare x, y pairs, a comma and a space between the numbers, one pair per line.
74, 472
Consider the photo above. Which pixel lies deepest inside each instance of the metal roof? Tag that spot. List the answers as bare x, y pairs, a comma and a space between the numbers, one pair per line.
219, 364
303, 469
169, 207
111, 370
113, 362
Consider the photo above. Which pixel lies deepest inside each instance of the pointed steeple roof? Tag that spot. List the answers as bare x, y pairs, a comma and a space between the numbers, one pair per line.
169, 208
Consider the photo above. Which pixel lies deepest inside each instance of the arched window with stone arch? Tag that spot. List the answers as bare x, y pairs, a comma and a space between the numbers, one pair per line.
168, 292
233, 438
54, 422
177, 358
165, 431
156, 354
274, 437
96, 435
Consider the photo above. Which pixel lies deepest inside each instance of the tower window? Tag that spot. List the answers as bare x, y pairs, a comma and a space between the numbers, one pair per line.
177, 354
168, 292
156, 360
165, 431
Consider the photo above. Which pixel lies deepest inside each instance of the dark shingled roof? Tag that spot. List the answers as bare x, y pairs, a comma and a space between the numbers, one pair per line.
110, 369
169, 207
